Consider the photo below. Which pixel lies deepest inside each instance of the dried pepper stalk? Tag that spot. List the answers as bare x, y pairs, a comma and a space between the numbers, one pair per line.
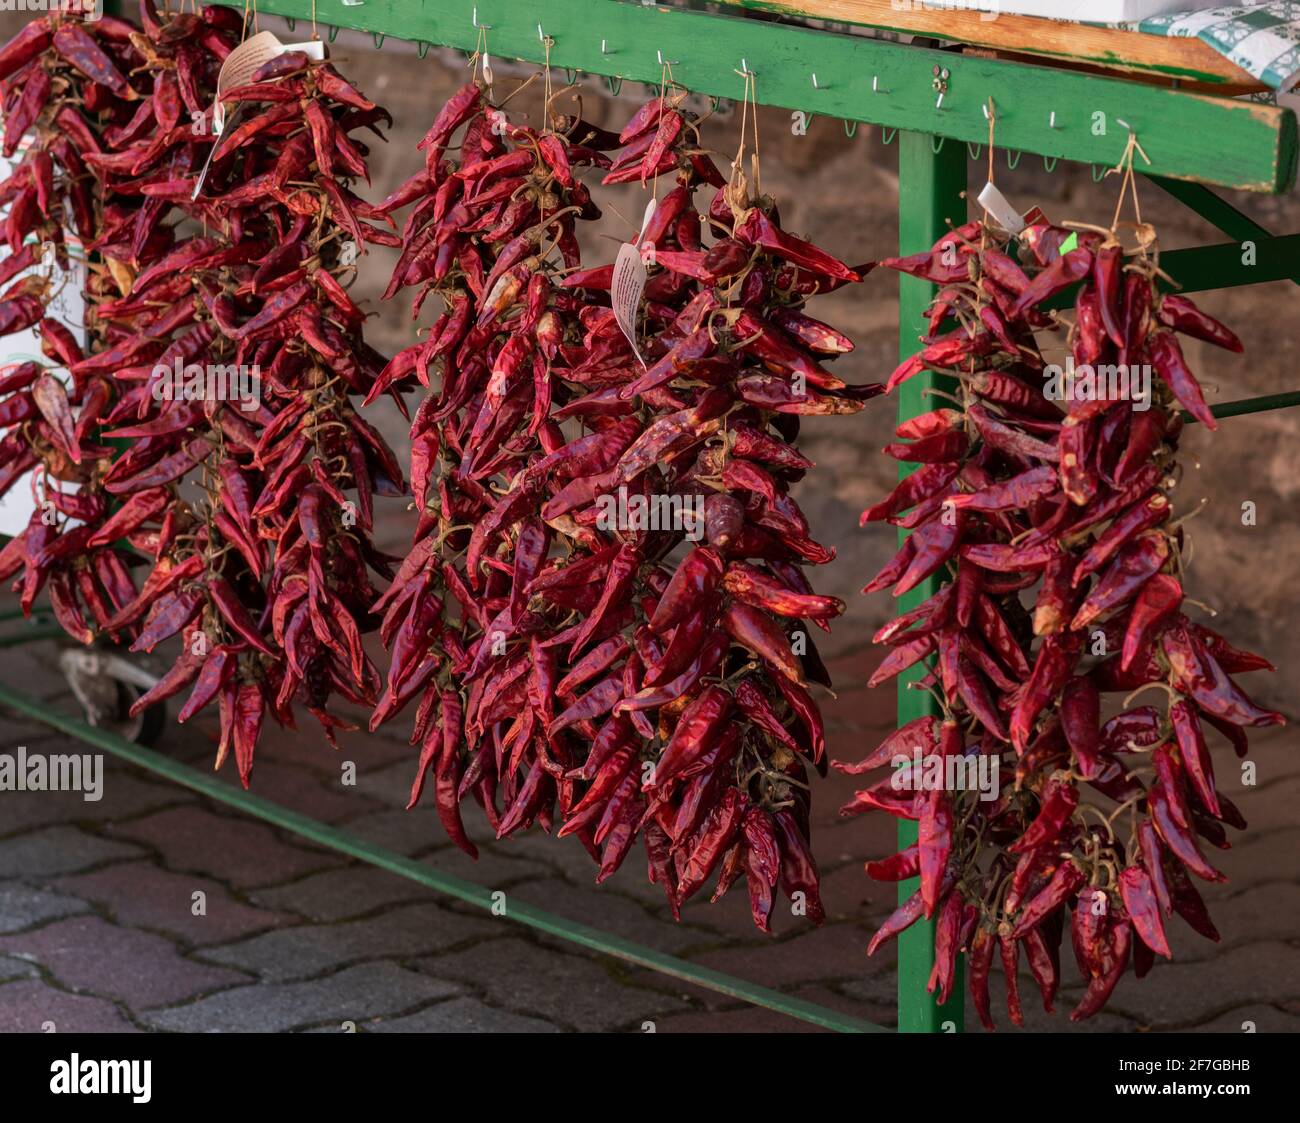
1053, 516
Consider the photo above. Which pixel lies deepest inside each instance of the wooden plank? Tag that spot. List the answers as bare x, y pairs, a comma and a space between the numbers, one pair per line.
1230, 143
1108, 47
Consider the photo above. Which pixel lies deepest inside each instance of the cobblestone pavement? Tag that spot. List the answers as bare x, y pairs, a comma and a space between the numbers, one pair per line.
155, 909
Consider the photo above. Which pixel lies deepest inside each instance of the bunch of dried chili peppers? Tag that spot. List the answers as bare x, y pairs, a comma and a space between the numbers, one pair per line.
1053, 514
70, 90
619, 678
251, 499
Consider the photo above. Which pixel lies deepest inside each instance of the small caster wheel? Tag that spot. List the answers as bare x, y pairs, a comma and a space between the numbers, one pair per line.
145, 728
107, 686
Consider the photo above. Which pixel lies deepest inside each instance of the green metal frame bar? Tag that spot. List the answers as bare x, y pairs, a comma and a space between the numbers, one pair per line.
521, 913
1216, 140
1216, 211
932, 185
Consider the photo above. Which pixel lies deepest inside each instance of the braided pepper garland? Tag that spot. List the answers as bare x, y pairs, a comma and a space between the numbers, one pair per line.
585, 681
1016, 497
273, 543
66, 94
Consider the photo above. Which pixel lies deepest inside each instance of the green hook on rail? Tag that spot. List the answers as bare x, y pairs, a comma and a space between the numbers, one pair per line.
973, 150
292, 23
614, 85
937, 148
850, 133
570, 75
887, 135
1049, 164
1013, 164
378, 37
333, 33
421, 48
1095, 177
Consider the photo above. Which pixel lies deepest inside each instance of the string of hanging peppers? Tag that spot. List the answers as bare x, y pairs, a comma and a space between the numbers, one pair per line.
1057, 528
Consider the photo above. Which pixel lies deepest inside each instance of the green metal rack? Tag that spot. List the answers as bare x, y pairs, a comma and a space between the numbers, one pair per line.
1193, 142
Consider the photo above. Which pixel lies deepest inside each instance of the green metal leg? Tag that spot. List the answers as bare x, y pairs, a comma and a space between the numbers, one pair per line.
929, 195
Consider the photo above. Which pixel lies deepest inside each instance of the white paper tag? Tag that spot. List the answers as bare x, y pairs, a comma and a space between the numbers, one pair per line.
240, 66
629, 283
1001, 210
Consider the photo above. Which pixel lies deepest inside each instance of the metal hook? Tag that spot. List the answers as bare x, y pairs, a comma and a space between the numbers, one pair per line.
666, 62
887, 135
1011, 165
875, 85
474, 20
814, 81
1095, 168
1050, 167
291, 22
939, 104
974, 150
421, 48
1051, 120
603, 49
851, 133
985, 107
541, 35
333, 33
614, 85
744, 69
937, 148
378, 37
570, 76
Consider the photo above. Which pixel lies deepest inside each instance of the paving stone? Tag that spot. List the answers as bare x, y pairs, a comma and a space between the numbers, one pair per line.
460, 1015
745, 1019
294, 953
58, 850
235, 850
126, 795
1179, 994
13, 968
1273, 749
388, 784
357, 994
360, 888
609, 912
496, 868
28, 1005
141, 894
833, 952
307, 791
341, 894
1266, 1019
1272, 856
22, 906
564, 855
1270, 806
530, 980
1263, 912
139, 968
406, 832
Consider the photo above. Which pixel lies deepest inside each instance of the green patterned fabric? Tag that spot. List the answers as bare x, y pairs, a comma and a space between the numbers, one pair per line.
1263, 39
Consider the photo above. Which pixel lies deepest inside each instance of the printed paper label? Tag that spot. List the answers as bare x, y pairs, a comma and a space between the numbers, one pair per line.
629, 283
1001, 210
